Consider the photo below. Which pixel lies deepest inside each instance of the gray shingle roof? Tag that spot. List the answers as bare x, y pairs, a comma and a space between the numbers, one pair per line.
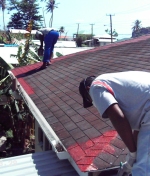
91, 141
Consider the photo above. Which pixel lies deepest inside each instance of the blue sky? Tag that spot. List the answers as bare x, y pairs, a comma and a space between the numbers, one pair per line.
86, 12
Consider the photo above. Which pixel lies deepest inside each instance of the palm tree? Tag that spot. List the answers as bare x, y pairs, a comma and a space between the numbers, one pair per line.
3, 6
137, 26
50, 8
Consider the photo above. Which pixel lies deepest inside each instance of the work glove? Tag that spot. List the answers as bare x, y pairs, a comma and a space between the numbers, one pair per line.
126, 167
124, 170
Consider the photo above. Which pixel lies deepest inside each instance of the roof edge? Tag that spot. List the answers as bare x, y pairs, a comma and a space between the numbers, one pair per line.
51, 136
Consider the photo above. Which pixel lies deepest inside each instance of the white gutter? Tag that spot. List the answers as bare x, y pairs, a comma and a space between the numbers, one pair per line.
48, 131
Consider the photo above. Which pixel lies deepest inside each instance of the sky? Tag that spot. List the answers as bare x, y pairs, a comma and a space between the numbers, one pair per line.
96, 13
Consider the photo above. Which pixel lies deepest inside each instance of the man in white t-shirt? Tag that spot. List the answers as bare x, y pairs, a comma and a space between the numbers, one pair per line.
124, 98
49, 36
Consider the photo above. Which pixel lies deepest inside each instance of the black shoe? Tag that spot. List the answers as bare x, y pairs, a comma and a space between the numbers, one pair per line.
44, 65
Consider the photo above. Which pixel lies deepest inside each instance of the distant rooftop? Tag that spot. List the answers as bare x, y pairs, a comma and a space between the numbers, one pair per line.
22, 31
104, 36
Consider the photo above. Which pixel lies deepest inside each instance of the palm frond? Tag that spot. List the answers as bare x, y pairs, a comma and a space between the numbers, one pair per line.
3, 4
51, 6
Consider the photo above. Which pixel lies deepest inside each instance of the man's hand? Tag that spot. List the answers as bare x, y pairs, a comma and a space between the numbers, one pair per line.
125, 168
40, 51
41, 47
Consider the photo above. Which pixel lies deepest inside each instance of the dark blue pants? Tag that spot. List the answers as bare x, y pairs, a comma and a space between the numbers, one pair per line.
49, 40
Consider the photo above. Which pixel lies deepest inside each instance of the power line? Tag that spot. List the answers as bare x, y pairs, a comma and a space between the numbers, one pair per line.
134, 10
115, 22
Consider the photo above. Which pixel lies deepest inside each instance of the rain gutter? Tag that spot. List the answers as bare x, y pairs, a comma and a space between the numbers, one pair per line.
48, 131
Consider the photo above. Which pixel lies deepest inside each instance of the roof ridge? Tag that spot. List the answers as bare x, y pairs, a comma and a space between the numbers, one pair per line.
131, 40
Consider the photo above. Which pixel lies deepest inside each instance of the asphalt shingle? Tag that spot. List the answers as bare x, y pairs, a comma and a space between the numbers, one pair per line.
91, 141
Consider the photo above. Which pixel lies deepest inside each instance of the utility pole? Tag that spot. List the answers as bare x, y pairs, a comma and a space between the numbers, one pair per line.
92, 29
111, 26
92, 34
77, 29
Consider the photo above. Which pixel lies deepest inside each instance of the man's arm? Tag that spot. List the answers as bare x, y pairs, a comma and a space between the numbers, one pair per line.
41, 37
122, 126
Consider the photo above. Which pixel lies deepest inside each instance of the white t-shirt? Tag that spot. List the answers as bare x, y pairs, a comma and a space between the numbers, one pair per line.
43, 31
131, 92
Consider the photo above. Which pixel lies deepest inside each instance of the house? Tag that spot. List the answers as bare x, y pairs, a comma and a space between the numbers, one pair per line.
89, 142
101, 40
65, 38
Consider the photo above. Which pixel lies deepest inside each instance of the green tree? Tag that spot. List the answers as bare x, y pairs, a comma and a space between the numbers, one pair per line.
137, 26
26, 10
114, 33
51, 5
137, 29
81, 38
3, 7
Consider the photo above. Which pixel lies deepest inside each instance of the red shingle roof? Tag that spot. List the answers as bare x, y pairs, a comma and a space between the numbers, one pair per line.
91, 141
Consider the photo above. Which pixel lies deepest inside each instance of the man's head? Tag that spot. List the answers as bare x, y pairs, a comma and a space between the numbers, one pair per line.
84, 91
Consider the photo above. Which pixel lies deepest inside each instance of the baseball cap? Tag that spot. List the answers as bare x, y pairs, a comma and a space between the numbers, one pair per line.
83, 91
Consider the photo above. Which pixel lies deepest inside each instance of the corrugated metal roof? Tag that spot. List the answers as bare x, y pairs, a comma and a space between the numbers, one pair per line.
41, 163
